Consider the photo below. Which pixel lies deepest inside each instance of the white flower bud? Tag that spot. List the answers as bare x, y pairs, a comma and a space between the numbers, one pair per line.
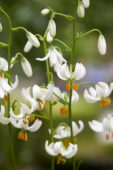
102, 45
49, 38
33, 39
26, 66
80, 10
52, 28
28, 46
3, 64
1, 27
86, 3
45, 11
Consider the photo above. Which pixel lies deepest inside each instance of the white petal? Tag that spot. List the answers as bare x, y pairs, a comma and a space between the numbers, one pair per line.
57, 147
63, 72
36, 126
49, 38
86, 3
2, 93
12, 115
105, 89
28, 47
96, 126
4, 85
80, 10
1, 27
77, 129
45, 58
75, 97
89, 98
49, 148
37, 93
15, 84
52, 28
3, 64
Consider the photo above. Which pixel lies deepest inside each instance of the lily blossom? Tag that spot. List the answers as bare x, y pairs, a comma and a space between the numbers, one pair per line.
55, 57
3, 64
4, 120
106, 126
58, 148
5, 87
101, 93
64, 131
65, 74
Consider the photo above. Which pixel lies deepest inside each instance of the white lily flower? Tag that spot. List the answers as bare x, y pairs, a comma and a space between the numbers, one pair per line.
26, 66
49, 38
52, 28
80, 10
33, 39
3, 64
57, 148
5, 87
64, 73
55, 57
1, 27
86, 3
37, 99
64, 131
106, 126
45, 11
28, 46
101, 93
102, 45
4, 120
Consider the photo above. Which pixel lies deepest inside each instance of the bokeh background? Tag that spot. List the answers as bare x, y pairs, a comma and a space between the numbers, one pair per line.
94, 152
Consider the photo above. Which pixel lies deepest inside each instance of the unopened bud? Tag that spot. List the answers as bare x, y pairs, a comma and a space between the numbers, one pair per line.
52, 28
33, 39
1, 27
80, 10
45, 11
49, 38
26, 66
86, 3
27, 47
102, 45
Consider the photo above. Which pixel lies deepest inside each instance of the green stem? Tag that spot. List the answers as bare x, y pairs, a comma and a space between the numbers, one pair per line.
50, 105
65, 45
87, 33
72, 63
8, 104
65, 16
86, 83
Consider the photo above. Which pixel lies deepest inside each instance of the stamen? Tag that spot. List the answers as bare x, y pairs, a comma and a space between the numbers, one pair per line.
5, 99
32, 117
68, 87
0, 74
59, 159
67, 111
66, 143
45, 106
107, 136
74, 141
75, 86
25, 122
105, 102
25, 137
62, 111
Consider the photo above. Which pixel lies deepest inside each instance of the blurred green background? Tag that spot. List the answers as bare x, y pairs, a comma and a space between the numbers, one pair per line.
31, 155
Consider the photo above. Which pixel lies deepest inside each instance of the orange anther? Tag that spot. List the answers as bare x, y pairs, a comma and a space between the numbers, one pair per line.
19, 135
105, 102
66, 142
68, 87
25, 137
25, 122
28, 120
107, 137
75, 87
0, 74
74, 141
45, 106
5, 99
62, 111
67, 111
112, 134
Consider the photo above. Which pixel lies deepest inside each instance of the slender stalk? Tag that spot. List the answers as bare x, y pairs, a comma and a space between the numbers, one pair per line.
50, 105
64, 44
87, 33
72, 63
8, 103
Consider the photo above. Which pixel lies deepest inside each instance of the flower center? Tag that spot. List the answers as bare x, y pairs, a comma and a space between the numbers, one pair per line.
64, 110
29, 119
105, 102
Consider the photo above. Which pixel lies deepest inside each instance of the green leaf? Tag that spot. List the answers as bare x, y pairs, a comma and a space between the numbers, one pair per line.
3, 44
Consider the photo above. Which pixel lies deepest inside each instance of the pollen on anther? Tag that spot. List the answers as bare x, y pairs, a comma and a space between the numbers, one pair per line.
62, 111
75, 86
68, 87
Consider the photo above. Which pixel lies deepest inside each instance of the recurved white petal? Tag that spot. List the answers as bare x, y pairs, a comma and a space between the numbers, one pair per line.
96, 126
44, 58
36, 126
3, 64
49, 148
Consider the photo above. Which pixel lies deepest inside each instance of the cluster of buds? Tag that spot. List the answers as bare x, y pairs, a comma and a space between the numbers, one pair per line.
81, 5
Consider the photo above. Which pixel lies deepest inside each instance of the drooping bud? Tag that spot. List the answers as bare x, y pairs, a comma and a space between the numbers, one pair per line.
80, 10
3, 64
49, 38
45, 11
86, 3
26, 66
28, 46
33, 39
102, 45
52, 28
1, 27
